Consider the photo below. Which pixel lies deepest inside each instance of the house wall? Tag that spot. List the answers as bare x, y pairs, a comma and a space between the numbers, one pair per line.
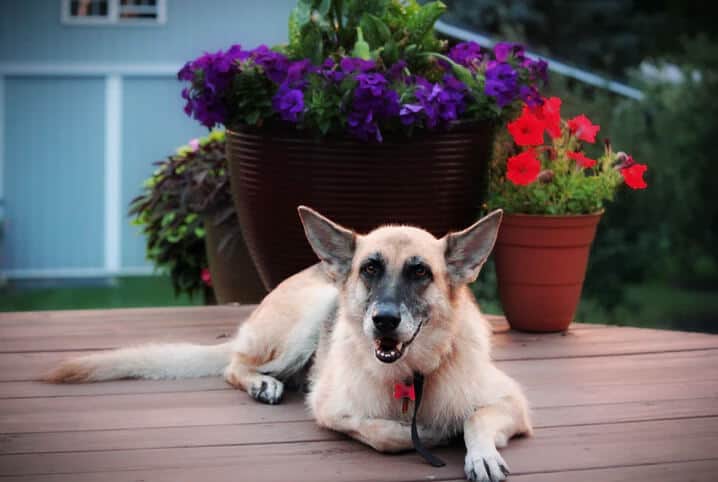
84, 111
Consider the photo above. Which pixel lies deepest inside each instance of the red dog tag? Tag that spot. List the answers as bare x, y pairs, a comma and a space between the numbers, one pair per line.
405, 393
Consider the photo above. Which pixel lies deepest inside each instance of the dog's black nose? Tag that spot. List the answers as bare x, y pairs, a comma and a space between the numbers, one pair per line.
386, 317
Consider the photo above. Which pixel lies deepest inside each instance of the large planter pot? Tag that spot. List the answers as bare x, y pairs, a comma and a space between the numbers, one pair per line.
234, 277
435, 181
540, 265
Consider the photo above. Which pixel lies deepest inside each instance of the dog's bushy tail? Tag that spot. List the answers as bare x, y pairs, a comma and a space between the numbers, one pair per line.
152, 361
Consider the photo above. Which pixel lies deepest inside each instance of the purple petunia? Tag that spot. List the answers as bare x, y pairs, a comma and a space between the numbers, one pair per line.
350, 65
372, 103
275, 65
467, 54
437, 104
504, 50
289, 103
502, 83
211, 76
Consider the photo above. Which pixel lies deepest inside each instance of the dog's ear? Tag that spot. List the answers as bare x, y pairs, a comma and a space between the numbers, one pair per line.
333, 244
467, 250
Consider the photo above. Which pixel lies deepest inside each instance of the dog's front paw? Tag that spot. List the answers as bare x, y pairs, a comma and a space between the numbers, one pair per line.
267, 390
485, 466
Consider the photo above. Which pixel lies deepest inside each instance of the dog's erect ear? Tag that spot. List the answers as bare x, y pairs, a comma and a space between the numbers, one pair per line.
467, 250
333, 244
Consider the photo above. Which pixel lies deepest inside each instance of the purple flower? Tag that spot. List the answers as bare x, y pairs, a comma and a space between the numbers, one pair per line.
275, 65
440, 104
373, 102
467, 54
297, 71
530, 95
289, 103
396, 71
408, 113
538, 70
501, 83
503, 50
350, 65
210, 76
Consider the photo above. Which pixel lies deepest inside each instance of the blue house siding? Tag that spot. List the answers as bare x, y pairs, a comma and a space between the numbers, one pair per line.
59, 137
53, 172
151, 130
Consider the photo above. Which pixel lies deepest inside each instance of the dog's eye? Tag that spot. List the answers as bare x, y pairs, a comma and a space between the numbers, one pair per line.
370, 269
420, 272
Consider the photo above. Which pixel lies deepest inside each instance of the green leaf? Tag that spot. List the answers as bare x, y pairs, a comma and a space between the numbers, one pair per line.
422, 22
376, 32
324, 6
390, 54
167, 219
199, 232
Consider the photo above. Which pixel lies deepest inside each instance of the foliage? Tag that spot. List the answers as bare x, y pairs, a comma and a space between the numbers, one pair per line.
186, 190
361, 68
556, 178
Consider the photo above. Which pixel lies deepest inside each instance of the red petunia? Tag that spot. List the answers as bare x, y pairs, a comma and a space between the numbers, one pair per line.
527, 130
550, 114
523, 169
633, 176
584, 130
581, 159
206, 276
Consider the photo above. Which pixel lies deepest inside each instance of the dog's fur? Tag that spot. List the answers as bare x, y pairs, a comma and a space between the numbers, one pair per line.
328, 313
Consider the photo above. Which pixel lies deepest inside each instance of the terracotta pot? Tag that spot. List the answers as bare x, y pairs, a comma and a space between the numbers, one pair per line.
433, 181
234, 277
540, 265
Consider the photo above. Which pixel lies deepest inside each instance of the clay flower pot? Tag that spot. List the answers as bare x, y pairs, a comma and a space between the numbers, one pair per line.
234, 278
434, 180
540, 265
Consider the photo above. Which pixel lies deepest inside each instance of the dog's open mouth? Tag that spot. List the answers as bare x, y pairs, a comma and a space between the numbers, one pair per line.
388, 350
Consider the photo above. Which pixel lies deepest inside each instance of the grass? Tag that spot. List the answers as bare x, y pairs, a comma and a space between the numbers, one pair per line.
126, 292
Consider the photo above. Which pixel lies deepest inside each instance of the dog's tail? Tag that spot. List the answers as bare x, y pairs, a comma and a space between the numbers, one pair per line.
153, 361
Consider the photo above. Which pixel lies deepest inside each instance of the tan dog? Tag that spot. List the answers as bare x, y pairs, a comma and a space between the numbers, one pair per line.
378, 309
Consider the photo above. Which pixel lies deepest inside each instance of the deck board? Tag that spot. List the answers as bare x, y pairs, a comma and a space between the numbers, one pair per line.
609, 403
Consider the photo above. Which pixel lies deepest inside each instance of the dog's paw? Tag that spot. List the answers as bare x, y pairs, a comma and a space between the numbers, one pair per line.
485, 466
267, 390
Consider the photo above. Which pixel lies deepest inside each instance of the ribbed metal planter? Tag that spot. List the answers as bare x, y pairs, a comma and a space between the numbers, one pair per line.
434, 181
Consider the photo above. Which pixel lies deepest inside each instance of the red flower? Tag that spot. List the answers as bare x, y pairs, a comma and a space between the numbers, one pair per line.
523, 169
527, 130
206, 276
581, 159
582, 127
633, 176
550, 114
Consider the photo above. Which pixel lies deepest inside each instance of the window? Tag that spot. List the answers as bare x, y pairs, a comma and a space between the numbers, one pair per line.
113, 12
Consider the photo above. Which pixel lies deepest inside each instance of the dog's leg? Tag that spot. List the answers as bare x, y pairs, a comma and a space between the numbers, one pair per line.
383, 435
263, 388
490, 427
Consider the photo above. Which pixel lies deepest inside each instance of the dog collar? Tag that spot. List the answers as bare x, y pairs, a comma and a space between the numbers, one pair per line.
414, 392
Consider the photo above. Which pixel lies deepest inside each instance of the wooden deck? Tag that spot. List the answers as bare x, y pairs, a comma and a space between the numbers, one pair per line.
610, 404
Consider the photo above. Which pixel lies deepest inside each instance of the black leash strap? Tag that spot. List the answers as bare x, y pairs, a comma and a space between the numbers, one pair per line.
418, 446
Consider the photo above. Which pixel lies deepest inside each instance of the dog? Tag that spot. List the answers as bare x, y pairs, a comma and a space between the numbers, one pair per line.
375, 311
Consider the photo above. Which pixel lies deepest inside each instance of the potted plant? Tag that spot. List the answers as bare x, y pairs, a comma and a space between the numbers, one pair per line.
364, 115
192, 231
553, 195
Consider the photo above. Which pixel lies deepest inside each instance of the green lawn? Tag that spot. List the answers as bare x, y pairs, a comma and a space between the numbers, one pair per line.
127, 292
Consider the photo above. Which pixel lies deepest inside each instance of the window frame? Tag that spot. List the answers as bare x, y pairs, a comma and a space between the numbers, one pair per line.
113, 18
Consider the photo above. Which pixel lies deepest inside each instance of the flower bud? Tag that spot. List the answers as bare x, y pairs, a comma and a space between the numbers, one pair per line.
546, 176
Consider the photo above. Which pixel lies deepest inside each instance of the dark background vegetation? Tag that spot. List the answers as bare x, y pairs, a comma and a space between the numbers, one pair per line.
654, 260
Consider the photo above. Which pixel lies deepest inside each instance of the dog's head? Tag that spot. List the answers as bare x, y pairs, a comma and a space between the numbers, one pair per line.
397, 279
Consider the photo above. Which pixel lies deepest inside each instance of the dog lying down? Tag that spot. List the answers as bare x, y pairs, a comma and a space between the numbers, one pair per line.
380, 313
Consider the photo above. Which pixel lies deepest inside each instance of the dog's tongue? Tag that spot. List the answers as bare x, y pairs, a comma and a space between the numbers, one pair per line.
387, 350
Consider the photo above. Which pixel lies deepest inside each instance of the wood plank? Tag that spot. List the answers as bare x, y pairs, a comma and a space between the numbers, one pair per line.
188, 432
698, 471
551, 450
133, 411
552, 381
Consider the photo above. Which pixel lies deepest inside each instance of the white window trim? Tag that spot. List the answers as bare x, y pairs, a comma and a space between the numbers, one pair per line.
113, 16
